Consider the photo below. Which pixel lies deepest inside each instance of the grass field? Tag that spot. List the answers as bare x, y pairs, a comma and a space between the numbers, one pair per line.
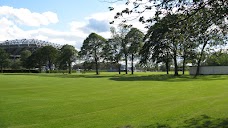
144, 100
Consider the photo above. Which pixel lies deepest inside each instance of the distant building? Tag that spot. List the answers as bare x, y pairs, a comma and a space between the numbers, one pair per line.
15, 47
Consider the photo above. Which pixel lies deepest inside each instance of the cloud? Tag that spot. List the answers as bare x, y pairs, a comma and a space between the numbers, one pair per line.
13, 22
132, 19
26, 17
98, 26
10, 31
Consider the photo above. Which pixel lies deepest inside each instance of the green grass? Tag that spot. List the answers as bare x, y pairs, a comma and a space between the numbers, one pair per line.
109, 100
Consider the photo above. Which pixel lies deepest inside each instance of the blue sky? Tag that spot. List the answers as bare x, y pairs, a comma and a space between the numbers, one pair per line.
57, 21
67, 10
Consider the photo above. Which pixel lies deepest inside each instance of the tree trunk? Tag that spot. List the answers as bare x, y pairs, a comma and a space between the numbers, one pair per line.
69, 67
49, 66
167, 63
40, 66
125, 63
167, 67
1, 68
96, 66
183, 66
200, 59
175, 63
119, 68
132, 64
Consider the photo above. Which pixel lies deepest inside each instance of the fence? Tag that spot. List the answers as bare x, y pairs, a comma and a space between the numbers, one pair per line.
209, 70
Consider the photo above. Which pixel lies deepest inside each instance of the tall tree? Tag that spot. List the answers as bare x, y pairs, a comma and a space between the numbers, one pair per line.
92, 48
206, 14
115, 42
108, 51
68, 55
135, 39
162, 42
122, 31
49, 55
3, 59
207, 33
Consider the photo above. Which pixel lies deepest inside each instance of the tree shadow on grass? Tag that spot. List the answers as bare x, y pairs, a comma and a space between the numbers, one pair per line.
168, 78
205, 121
202, 121
117, 77
76, 76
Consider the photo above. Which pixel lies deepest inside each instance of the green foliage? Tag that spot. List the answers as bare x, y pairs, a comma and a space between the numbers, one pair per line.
135, 39
3, 59
217, 8
217, 59
109, 51
92, 47
162, 43
24, 56
187, 27
49, 55
67, 55
36, 60
44, 56
15, 64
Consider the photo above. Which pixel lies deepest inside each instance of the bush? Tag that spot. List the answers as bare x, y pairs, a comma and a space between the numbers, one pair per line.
20, 71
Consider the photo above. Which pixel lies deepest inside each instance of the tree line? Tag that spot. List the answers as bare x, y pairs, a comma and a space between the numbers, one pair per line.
164, 43
47, 56
180, 31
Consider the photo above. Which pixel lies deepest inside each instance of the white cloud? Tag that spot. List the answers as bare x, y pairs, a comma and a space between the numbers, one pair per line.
10, 31
26, 17
13, 20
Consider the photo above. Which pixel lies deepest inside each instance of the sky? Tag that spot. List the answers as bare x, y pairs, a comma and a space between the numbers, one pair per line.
57, 21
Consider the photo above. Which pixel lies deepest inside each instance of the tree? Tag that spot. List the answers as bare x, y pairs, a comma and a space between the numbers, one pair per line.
49, 55
109, 54
135, 38
156, 48
15, 64
162, 41
67, 56
219, 58
218, 8
24, 56
108, 51
116, 44
205, 11
36, 60
121, 44
207, 33
92, 48
3, 59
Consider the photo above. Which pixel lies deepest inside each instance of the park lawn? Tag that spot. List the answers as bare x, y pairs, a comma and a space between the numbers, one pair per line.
109, 101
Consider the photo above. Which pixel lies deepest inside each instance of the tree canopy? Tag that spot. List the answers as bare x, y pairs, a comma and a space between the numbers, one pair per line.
67, 55
92, 48
3, 59
135, 39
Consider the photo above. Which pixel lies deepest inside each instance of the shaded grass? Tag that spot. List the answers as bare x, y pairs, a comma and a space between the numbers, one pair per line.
110, 100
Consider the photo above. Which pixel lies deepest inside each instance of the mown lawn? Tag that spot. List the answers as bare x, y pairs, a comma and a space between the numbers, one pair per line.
144, 100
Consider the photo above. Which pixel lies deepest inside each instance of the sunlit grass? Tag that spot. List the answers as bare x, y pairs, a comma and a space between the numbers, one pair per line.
110, 100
